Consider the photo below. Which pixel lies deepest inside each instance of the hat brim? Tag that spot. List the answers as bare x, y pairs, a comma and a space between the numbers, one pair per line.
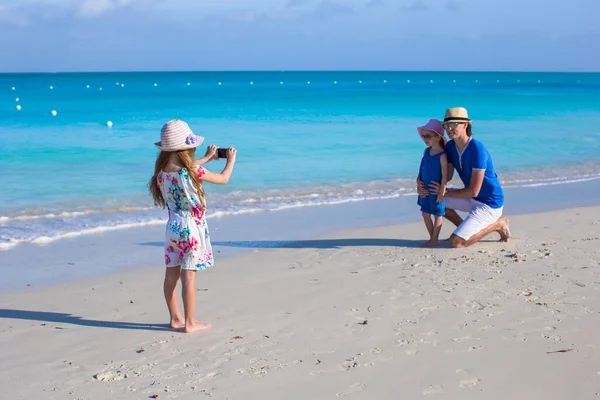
199, 141
422, 128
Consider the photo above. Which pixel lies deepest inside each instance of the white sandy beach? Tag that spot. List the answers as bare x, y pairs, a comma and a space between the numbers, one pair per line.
363, 314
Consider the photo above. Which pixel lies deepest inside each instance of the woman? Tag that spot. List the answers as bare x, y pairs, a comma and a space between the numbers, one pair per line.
482, 197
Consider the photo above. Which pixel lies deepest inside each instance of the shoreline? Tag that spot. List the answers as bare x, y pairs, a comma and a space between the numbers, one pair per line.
86, 256
362, 312
47, 225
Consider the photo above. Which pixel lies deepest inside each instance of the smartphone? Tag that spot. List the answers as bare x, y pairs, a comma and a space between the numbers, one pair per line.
221, 153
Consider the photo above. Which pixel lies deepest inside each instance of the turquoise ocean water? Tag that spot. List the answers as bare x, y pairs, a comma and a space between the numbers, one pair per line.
303, 138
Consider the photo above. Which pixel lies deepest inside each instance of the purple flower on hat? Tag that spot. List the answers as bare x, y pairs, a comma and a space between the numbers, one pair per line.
191, 139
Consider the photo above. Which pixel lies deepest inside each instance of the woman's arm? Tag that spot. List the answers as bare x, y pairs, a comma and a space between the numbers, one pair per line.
473, 189
223, 177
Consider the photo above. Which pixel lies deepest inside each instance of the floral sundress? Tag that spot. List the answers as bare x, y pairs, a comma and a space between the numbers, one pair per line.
187, 241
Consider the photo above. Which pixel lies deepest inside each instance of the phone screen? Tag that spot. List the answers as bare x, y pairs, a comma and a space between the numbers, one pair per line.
221, 153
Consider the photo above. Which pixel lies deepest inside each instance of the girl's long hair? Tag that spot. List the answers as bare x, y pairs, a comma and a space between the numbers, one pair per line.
469, 130
187, 159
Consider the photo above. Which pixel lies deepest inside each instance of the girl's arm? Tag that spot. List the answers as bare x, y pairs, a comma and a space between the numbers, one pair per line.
211, 154
223, 177
450, 170
421, 189
444, 165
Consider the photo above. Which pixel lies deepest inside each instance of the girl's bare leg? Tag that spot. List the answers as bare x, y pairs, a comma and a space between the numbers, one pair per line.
188, 281
437, 227
170, 289
429, 225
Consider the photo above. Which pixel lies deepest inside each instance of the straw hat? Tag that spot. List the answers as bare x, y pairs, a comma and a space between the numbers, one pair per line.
457, 114
176, 135
434, 125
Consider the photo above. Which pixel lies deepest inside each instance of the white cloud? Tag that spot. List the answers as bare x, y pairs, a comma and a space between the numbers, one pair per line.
91, 8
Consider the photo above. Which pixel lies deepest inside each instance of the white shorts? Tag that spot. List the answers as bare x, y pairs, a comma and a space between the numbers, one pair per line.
480, 215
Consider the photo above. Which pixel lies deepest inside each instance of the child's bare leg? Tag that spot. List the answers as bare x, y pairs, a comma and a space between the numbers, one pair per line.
188, 282
437, 227
170, 289
429, 225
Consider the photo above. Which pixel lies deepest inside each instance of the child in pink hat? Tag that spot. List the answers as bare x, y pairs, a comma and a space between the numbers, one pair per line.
434, 168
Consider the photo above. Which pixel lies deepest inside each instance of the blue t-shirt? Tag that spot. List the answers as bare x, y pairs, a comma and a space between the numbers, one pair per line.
475, 157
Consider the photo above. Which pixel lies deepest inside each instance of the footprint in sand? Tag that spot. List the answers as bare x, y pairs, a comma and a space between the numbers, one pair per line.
369, 364
469, 383
460, 339
433, 390
357, 387
475, 348
412, 352
471, 348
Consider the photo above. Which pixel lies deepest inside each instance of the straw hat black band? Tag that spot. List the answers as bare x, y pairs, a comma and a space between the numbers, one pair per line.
456, 119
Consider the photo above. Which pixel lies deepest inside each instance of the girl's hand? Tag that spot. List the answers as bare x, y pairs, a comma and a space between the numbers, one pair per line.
231, 153
211, 152
440, 198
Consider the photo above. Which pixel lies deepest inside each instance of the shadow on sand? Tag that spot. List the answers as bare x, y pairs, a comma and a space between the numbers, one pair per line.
313, 244
61, 318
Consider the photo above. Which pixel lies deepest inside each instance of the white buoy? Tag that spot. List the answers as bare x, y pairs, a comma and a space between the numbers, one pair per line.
109, 124
384, 81
335, 82
54, 113
476, 81
408, 81
156, 84
13, 88
189, 84
308, 82
18, 108
51, 87
117, 83
100, 89
539, 81
87, 86
518, 81
498, 81
431, 81
454, 81
122, 85
220, 83
17, 99
359, 81
252, 83
281, 83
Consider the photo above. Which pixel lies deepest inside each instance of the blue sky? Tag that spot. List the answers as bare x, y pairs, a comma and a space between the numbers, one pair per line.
117, 35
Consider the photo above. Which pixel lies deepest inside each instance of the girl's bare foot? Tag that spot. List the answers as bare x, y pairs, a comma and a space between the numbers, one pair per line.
504, 229
177, 323
431, 243
196, 326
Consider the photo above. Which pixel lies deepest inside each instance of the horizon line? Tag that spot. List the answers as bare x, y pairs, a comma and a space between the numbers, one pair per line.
299, 70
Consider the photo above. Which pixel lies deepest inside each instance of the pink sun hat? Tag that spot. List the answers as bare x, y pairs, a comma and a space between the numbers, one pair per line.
434, 125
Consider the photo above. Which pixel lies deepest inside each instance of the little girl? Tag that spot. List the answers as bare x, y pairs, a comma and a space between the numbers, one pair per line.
177, 185
434, 168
